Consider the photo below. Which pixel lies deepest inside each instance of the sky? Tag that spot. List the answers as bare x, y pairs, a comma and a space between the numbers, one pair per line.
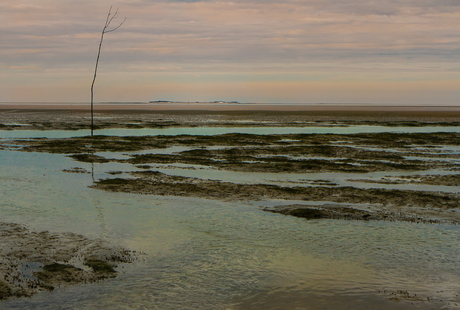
399, 52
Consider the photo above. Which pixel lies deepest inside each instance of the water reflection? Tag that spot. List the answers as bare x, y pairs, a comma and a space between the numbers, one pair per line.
9, 134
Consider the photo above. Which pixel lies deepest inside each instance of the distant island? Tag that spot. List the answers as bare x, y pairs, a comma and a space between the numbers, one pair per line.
213, 102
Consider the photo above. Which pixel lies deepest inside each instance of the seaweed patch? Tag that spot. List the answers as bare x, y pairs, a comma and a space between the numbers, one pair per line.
32, 262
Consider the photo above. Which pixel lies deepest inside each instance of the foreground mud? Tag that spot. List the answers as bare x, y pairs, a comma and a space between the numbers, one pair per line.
383, 204
32, 262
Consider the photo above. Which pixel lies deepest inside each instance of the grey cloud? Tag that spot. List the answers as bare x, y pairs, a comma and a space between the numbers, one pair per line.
376, 7
185, 37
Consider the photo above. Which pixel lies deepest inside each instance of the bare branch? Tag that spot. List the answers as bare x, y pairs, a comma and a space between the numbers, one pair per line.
116, 27
112, 18
108, 20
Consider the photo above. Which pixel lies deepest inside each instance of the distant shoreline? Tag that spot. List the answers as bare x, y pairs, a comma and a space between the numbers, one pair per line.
249, 107
305, 111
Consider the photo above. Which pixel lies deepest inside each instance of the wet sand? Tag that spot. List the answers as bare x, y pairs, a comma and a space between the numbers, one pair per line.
395, 300
305, 110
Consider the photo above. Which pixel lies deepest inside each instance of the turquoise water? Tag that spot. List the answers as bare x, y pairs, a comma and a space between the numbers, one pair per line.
208, 254
221, 130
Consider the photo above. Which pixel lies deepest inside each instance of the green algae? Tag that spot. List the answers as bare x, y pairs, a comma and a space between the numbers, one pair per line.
89, 158
265, 153
5, 290
99, 266
326, 212
443, 180
33, 262
312, 144
55, 273
157, 183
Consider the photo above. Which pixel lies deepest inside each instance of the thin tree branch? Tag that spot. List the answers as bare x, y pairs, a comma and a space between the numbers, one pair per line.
108, 19
104, 31
112, 18
116, 27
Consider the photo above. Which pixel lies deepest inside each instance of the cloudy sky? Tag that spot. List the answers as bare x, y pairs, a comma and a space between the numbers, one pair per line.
302, 51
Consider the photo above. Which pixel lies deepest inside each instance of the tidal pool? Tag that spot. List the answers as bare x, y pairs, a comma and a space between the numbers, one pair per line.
223, 130
212, 254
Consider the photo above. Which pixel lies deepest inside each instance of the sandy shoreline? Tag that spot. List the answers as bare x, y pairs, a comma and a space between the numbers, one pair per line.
78, 116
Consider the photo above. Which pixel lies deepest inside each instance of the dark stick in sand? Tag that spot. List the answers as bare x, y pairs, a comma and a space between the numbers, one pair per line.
104, 31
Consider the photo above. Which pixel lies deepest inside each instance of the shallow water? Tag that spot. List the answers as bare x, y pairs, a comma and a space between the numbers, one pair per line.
221, 130
208, 254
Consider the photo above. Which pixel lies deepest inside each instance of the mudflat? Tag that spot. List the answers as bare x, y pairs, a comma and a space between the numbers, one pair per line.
136, 116
373, 176
33, 262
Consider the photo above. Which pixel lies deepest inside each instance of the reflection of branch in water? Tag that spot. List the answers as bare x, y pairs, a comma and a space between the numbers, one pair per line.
98, 206
100, 216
